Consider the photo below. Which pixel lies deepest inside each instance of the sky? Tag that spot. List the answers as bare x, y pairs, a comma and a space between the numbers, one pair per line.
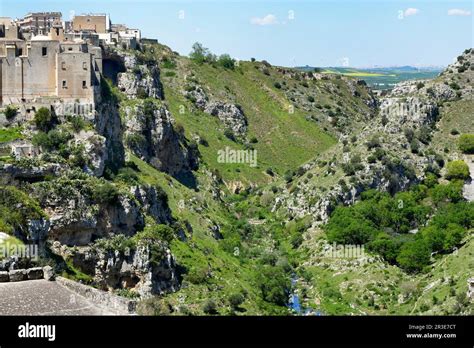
356, 33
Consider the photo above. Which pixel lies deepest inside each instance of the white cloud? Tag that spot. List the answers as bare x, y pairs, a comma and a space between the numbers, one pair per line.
411, 11
269, 19
458, 12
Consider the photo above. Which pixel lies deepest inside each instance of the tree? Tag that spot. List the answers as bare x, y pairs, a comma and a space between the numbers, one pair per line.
43, 119
10, 112
466, 143
226, 62
236, 300
457, 170
199, 53
414, 256
274, 285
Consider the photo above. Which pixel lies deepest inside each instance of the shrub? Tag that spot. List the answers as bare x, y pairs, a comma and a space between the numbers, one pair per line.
236, 300
420, 85
457, 170
105, 193
10, 112
51, 141
43, 119
454, 131
226, 62
454, 86
466, 143
277, 85
229, 134
310, 99
274, 285
414, 256
451, 192
372, 143
156, 233
77, 123
210, 307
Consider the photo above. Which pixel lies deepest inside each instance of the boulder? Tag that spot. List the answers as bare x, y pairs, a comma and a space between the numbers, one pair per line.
35, 273
4, 277
48, 273
18, 275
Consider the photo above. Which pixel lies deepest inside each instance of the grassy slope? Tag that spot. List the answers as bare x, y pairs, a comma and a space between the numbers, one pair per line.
285, 140
201, 252
344, 287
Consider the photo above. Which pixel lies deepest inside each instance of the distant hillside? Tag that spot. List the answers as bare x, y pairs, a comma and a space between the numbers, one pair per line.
383, 77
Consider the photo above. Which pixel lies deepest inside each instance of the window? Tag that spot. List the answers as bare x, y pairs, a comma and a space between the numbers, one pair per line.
84, 65
45, 51
63, 65
20, 52
64, 84
84, 84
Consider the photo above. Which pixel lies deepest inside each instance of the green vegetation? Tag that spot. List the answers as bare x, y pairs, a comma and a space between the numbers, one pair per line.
43, 119
457, 170
383, 223
10, 112
25, 209
466, 143
10, 134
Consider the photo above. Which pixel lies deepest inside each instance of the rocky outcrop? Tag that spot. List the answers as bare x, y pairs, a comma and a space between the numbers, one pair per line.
140, 80
109, 125
154, 202
28, 171
150, 134
147, 269
95, 150
229, 114
410, 112
75, 218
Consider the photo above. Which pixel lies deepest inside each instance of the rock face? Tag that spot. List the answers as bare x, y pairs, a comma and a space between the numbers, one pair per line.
109, 125
154, 202
230, 115
407, 112
143, 81
150, 134
140, 80
148, 269
75, 218
95, 150
33, 172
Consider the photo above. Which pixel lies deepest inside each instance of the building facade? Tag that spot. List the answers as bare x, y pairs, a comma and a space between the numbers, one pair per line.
99, 23
40, 23
48, 67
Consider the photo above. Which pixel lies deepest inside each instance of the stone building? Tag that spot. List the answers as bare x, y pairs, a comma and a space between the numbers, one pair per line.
48, 67
40, 23
99, 23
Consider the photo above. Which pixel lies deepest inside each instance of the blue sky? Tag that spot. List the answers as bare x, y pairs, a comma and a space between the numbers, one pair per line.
292, 32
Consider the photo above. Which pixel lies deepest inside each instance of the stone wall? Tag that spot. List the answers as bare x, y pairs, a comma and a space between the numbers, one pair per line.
117, 304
